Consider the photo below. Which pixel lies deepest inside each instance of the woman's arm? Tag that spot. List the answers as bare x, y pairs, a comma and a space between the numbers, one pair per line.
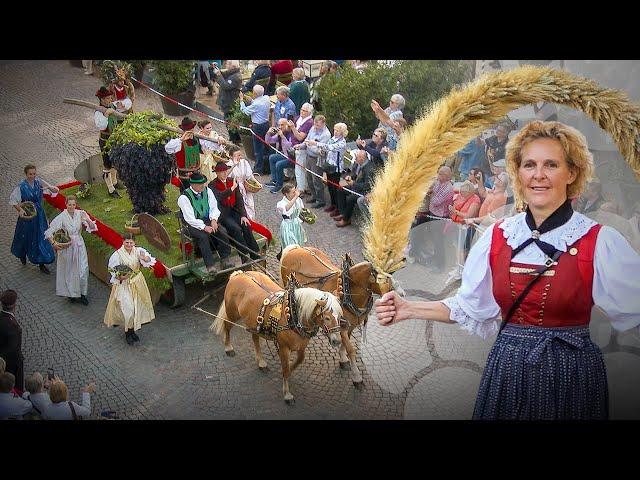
392, 309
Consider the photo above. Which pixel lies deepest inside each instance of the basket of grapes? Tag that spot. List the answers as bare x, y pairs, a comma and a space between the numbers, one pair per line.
61, 238
29, 210
121, 271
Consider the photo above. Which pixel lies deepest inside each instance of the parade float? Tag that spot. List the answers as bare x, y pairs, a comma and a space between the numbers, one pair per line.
148, 208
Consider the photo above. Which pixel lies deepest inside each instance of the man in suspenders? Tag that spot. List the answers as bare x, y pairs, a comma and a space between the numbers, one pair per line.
186, 148
106, 122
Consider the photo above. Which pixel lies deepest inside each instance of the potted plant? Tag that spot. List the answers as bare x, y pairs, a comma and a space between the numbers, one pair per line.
176, 79
240, 119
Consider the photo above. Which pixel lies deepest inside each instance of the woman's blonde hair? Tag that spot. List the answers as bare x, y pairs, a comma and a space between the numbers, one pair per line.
467, 186
343, 128
58, 392
69, 198
575, 149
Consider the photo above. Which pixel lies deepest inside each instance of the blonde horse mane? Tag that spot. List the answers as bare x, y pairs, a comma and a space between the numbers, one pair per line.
306, 299
459, 117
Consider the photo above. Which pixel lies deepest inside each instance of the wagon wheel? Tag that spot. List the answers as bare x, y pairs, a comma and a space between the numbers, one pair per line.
175, 296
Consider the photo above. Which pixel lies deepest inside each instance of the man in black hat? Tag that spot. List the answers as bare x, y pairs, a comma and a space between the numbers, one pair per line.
106, 122
186, 148
233, 214
11, 338
200, 211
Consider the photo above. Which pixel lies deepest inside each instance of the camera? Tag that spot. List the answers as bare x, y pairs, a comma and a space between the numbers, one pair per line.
50, 373
290, 116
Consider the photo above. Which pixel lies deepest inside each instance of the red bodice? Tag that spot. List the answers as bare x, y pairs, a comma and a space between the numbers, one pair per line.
561, 298
121, 94
221, 186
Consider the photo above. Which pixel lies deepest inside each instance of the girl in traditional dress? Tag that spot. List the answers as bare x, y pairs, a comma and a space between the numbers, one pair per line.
28, 239
241, 171
541, 271
207, 162
130, 301
72, 271
291, 231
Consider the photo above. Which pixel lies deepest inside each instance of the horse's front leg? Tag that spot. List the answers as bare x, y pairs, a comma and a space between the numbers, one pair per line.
262, 365
347, 344
283, 352
299, 359
344, 359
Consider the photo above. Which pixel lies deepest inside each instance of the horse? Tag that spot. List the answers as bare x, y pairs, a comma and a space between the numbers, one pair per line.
288, 317
352, 284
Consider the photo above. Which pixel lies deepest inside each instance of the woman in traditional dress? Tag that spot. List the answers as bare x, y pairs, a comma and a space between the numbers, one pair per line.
28, 239
130, 301
72, 271
291, 231
207, 162
241, 171
541, 271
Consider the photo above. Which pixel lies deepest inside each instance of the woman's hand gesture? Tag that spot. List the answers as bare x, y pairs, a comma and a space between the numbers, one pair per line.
392, 308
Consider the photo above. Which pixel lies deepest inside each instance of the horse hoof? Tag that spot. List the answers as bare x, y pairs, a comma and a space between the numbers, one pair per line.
289, 401
359, 385
344, 365
230, 353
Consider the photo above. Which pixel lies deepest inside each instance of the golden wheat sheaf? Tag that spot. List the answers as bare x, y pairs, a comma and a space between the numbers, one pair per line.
459, 117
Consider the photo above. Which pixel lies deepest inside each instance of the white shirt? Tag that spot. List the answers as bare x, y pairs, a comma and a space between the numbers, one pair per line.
100, 120
13, 407
282, 205
616, 283
41, 401
173, 146
187, 210
62, 411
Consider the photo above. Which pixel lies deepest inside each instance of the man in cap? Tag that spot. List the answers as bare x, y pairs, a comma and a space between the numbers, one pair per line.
106, 122
186, 148
232, 212
11, 338
200, 210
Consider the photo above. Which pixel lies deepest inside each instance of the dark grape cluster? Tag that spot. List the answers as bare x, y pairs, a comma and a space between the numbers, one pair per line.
145, 172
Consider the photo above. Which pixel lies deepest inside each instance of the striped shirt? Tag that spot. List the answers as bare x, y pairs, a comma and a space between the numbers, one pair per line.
441, 198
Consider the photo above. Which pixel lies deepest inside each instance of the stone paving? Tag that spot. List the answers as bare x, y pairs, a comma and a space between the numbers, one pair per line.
179, 370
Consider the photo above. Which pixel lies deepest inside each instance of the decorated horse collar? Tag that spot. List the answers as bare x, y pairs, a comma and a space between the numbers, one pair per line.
344, 290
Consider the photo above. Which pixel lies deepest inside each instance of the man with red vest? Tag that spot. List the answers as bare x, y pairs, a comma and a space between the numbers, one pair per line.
233, 215
186, 148
106, 122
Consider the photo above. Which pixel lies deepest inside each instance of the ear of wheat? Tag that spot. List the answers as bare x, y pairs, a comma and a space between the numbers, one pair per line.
462, 115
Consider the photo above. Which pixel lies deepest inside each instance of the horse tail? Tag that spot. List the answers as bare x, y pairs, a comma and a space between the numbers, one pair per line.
286, 250
218, 325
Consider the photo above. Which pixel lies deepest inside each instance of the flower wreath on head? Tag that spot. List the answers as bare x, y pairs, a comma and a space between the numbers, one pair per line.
462, 115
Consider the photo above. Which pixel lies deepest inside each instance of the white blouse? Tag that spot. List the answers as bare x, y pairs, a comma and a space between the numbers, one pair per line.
282, 205
616, 283
16, 196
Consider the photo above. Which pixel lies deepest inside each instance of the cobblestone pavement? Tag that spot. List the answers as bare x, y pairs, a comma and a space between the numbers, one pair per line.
179, 369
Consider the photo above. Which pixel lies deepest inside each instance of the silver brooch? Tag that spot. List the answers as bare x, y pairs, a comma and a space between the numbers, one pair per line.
535, 234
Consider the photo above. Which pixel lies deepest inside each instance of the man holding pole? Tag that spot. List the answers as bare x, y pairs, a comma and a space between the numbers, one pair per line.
106, 122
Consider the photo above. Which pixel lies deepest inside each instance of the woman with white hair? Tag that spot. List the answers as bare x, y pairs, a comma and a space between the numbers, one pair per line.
300, 129
495, 199
333, 162
394, 112
299, 89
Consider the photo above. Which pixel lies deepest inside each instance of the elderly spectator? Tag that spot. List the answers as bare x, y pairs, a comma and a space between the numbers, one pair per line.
299, 89
393, 112
440, 199
284, 107
493, 201
230, 82
321, 134
495, 149
592, 199
281, 136
472, 156
374, 147
497, 167
359, 181
262, 71
34, 392
11, 406
300, 129
11, 338
281, 67
465, 205
259, 111
333, 163
62, 409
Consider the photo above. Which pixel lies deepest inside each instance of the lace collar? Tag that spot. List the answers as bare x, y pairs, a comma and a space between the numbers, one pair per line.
516, 231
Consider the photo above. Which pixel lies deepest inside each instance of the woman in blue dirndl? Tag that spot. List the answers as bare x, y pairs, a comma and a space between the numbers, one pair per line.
28, 240
541, 271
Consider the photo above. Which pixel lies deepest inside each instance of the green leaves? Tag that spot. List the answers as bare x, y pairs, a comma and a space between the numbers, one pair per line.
140, 128
174, 76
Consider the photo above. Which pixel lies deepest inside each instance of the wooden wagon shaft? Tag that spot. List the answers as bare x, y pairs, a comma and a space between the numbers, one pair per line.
102, 109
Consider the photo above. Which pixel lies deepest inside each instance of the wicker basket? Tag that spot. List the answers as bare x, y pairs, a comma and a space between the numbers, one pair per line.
252, 186
61, 244
308, 216
220, 158
132, 225
29, 217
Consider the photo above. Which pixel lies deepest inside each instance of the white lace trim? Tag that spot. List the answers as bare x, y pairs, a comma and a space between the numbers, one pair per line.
516, 231
484, 328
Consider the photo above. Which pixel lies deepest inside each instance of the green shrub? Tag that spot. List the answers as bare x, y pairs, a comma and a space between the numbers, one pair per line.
238, 118
173, 76
345, 96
